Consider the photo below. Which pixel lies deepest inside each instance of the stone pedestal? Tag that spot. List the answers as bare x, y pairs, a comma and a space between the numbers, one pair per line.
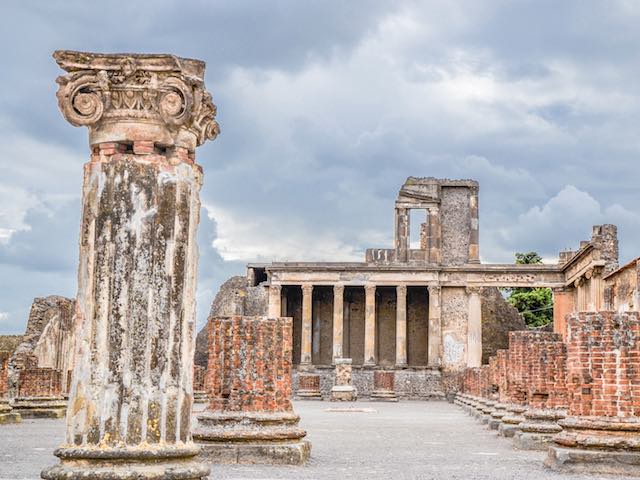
486, 410
40, 407
309, 387
499, 411
39, 394
250, 418
538, 428
130, 402
343, 390
597, 445
384, 386
7, 415
510, 422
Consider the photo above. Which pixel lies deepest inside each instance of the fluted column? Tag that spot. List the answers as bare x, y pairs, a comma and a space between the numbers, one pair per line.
307, 329
131, 392
401, 326
338, 314
275, 301
474, 328
435, 331
370, 325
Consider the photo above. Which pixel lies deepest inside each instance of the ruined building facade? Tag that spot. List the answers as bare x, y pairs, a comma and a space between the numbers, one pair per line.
417, 307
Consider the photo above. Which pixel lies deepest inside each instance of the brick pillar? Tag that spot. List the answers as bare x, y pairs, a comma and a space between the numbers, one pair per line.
338, 314
132, 385
474, 328
250, 418
384, 388
563, 304
199, 388
434, 336
370, 325
275, 301
401, 326
307, 328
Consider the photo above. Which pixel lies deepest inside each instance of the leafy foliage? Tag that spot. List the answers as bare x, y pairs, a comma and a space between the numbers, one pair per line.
535, 304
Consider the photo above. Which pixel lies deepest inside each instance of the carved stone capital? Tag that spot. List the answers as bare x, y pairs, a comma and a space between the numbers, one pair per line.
134, 97
472, 290
434, 290
338, 289
370, 289
307, 289
401, 290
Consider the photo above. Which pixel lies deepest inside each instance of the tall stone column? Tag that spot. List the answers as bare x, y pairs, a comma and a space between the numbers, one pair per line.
435, 329
307, 330
129, 411
474, 235
435, 235
338, 316
275, 301
402, 234
370, 325
474, 328
401, 326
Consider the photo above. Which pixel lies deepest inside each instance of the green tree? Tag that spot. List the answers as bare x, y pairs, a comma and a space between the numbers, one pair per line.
535, 304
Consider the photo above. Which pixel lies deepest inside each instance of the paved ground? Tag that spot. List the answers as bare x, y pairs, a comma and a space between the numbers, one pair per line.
406, 440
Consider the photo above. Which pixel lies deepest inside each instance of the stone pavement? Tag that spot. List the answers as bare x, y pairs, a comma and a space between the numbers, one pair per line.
405, 440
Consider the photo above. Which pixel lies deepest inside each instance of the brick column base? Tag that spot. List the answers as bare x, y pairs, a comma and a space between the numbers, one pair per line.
309, 387
40, 394
384, 386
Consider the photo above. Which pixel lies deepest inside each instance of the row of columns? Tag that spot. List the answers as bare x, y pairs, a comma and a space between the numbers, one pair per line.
434, 328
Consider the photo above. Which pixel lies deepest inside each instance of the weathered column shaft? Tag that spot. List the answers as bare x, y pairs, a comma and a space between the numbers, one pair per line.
563, 304
401, 326
474, 328
370, 325
131, 391
435, 235
474, 234
435, 330
275, 301
307, 330
338, 314
402, 234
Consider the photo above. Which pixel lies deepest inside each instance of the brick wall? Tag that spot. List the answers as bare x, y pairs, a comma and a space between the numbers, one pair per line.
249, 364
384, 380
199, 375
4, 377
603, 364
39, 382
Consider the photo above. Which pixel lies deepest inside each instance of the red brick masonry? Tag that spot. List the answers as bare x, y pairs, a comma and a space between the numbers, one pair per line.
40, 382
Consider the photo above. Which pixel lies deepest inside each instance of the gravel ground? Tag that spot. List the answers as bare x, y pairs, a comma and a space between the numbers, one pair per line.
406, 440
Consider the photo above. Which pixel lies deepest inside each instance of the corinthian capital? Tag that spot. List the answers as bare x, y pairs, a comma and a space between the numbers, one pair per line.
134, 97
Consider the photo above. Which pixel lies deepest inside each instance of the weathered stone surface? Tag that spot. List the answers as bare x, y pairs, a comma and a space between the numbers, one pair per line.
499, 318
131, 392
343, 390
309, 387
250, 418
47, 341
39, 393
538, 428
384, 389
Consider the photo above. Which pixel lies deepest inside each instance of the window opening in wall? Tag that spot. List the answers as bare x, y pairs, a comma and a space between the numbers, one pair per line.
417, 216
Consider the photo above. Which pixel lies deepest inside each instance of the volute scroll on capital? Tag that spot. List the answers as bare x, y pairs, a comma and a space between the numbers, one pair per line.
129, 97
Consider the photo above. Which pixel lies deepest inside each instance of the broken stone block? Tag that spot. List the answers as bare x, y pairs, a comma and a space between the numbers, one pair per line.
343, 390
250, 418
309, 386
131, 395
510, 422
384, 386
538, 428
499, 411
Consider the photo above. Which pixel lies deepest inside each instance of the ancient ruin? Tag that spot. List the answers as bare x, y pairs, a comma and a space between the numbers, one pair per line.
8, 344
343, 390
131, 391
250, 418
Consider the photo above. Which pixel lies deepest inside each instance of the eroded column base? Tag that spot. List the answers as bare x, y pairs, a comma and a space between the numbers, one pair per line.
252, 438
127, 464
40, 407
343, 393
593, 461
538, 429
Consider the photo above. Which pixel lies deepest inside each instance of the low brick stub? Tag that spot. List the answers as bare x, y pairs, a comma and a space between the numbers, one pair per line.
39, 382
249, 364
603, 364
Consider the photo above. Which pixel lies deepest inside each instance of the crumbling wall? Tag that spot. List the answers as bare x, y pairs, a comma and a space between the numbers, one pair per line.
8, 344
499, 318
622, 291
235, 297
48, 339
603, 364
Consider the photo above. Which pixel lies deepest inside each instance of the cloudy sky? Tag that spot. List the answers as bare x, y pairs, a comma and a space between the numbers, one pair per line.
325, 108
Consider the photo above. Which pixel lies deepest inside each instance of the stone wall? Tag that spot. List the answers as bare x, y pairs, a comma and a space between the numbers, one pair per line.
8, 344
48, 339
499, 318
455, 214
455, 307
604, 364
622, 290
